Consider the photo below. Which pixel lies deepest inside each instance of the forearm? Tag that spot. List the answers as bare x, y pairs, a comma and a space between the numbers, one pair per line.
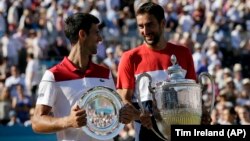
126, 95
44, 122
49, 124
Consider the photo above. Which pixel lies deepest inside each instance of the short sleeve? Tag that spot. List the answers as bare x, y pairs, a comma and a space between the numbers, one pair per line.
47, 90
125, 76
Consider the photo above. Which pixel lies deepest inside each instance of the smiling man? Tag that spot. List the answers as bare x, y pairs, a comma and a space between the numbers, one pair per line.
63, 85
152, 57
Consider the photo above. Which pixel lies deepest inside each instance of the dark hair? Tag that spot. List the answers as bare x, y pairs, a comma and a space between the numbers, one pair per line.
153, 9
76, 22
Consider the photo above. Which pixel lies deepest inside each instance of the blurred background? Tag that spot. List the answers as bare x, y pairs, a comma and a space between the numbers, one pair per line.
217, 32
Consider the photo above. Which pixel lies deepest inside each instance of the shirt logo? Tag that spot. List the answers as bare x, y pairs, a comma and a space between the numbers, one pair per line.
101, 80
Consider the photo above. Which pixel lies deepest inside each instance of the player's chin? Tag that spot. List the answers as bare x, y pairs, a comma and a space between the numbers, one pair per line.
149, 40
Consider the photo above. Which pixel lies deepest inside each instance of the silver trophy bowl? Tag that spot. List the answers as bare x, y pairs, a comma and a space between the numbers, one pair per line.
177, 101
102, 106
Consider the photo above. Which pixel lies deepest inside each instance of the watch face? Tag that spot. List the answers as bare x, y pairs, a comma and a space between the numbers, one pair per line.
102, 106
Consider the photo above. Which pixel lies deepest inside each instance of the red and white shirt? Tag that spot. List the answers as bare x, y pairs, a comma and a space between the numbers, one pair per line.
64, 84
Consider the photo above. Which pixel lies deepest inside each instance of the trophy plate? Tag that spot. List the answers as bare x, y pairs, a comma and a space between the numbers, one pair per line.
102, 106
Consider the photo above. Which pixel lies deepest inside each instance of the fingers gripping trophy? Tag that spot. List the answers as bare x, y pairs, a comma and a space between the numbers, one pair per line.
177, 100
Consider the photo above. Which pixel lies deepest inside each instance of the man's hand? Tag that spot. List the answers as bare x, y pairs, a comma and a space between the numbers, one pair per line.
77, 117
145, 119
128, 113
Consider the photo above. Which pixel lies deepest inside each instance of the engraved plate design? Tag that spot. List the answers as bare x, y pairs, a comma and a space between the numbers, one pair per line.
102, 106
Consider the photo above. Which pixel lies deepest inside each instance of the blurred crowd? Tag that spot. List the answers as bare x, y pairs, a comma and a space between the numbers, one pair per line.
217, 32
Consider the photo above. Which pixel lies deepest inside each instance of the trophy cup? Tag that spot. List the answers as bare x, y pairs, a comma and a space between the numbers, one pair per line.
177, 100
102, 106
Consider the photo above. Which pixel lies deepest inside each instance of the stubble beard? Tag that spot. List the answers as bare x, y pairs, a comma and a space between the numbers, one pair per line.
155, 40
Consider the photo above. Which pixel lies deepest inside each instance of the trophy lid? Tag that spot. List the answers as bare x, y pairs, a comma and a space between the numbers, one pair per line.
175, 71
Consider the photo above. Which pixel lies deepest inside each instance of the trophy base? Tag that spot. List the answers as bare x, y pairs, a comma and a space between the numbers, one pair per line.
185, 118
164, 125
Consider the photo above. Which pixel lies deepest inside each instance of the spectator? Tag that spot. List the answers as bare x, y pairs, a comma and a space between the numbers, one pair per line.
13, 80
244, 115
214, 117
229, 117
32, 76
238, 76
5, 106
14, 120
22, 104
3, 22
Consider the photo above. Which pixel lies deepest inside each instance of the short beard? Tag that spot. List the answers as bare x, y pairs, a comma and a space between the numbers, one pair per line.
154, 42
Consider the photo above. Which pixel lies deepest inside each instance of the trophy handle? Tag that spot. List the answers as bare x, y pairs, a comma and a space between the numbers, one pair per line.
137, 88
151, 90
203, 87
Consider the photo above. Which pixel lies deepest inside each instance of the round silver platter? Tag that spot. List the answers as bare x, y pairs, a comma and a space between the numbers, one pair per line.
102, 106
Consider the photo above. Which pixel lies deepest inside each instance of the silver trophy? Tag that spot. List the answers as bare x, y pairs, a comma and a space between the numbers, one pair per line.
102, 106
177, 100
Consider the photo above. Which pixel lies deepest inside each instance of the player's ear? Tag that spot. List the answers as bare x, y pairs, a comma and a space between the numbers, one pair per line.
82, 34
163, 23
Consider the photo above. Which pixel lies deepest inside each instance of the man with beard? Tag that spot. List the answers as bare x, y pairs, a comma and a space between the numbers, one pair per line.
152, 57
63, 85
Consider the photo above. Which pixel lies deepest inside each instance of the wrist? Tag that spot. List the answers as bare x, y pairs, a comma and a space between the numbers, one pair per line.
136, 115
66, 123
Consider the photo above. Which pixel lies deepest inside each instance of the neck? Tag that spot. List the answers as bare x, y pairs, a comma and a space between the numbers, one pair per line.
78, 58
